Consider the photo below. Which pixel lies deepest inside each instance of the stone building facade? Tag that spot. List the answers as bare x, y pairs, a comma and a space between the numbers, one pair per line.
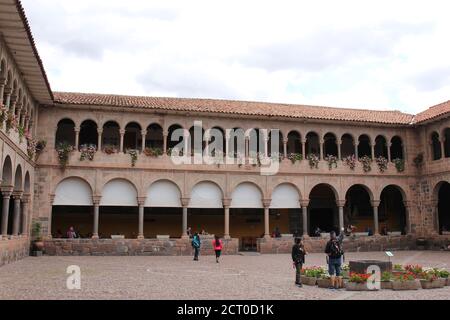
105, 168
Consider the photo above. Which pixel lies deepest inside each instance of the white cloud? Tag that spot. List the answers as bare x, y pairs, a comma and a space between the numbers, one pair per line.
382, 55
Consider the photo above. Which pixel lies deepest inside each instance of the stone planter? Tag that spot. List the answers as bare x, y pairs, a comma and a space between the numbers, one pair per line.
386, 285
353, 286
406, 285
447, 282
436, 284
324, 283
308, 281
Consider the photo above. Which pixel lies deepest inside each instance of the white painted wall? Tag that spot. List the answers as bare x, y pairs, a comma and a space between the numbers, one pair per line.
73, 192
246, 195
206, 195
119, 193
285, 196
163, 194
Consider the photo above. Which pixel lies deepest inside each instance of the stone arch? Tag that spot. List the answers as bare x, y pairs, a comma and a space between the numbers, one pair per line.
73, 191
441, 195
163, 193
119, 192
88, 133
133, 136
247, 195
285, 195
364, 146
155, 136
65, 132
206, 194
381, 147
330, 144
392, 212
312, 143
27, 183
322, 207
397, 148
358, 210
111, 135
347, 145
436, 146
294, 142
18, 179
7, 172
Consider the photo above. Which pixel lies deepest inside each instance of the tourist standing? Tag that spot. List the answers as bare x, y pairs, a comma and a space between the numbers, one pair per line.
196, 243
335, 253
218, 246
71, 234
298, 259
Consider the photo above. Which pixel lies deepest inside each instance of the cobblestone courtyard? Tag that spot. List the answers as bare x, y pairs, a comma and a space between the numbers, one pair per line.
236, 277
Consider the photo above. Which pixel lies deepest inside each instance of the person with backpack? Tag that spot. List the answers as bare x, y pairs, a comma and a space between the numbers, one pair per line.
196, 243
218, 246
298, 259
335, 254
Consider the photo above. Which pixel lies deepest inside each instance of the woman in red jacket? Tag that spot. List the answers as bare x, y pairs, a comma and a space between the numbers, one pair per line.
218, 246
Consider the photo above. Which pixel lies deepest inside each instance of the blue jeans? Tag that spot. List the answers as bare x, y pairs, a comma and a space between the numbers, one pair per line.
334, 266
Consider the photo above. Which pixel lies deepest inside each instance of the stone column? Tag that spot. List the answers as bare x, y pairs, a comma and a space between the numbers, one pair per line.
187, 141
17, 196
2, 89
7, 98
389, 151
266, 204
285, 142
49, 227
372, 150
122, 134
6, 193
441, 141
77, 138
375, 205
141, 202
266, 145
339, 146
305, 204
340, 204
247, 148
25, 208
99, 140
408, 205
356, 151
321, 142
165, 135
304, 148
226, 207
96, 202
27, 123
435, 206
144, 136
185, 203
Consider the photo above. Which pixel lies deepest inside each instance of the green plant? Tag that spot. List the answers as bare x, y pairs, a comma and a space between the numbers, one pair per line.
416, 269
358, 277
3, 115
313, 161
386, 276
399, 164
418, 160
294, 157
36, 231
345, 267
382, 163
87, 152
367, 163
350, 161
444, 274
404, 277
398, 267
153, 152
64, 149
332, 161
313, 272
134, 156
21, 131
11, 121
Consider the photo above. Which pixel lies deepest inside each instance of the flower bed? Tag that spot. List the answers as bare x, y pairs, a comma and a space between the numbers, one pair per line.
310, 275
405, 281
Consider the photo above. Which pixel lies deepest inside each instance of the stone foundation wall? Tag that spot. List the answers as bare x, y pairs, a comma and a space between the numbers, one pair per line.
13, 250
132, 247
375, 243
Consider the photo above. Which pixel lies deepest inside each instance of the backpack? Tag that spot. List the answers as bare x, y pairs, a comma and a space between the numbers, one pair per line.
196, 242
336, 249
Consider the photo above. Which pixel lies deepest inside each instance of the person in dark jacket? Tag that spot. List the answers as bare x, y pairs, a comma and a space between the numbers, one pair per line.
335, 253
298, 259
196, 243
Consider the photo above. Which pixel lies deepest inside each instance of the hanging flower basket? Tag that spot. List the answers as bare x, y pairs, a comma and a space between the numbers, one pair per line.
313, 161
64, 149
87, 152
134, 156
332, 161
294, 157
350, 161
399, 164
382, 163
367, 163
110, 149
11, 122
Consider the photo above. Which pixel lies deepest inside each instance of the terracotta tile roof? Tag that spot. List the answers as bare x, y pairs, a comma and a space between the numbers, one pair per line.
235, 107
433, 112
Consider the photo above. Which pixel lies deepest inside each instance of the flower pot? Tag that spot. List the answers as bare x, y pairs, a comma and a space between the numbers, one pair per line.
439, 283
308, 281
447, 282
38, 245
353, 286
324, 283
426, 284
386, 285
406, 285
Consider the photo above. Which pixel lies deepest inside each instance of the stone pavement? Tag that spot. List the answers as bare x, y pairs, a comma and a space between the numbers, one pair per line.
236, 277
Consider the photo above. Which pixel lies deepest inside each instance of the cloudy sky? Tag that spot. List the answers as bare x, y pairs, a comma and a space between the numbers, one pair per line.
378, 54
